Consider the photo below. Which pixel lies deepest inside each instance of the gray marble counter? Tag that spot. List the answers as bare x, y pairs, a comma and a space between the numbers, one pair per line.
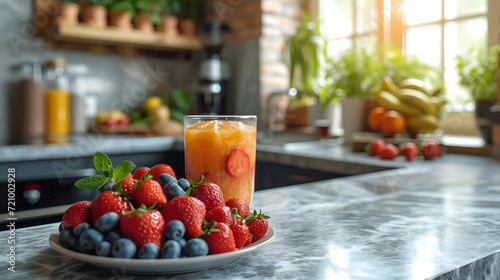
438, 220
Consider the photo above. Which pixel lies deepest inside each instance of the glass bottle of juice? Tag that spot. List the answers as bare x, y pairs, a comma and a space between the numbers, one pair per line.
57, 102
222, 149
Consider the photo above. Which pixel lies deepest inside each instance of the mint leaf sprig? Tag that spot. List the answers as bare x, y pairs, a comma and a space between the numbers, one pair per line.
103, 165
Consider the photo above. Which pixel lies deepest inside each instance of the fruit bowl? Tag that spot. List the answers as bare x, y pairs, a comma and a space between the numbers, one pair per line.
162, 266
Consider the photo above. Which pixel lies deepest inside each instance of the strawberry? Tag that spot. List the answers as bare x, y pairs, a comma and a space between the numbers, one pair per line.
109, 201
221, 214
257, 224
374, 147
209, 193
241, 233
249, 240
142, 225
237, 163
148, 193
409, 150
127, 184
431, 149
219, 237
388, 152
240, 205
141, 171
159, 169
76, 214
187, 209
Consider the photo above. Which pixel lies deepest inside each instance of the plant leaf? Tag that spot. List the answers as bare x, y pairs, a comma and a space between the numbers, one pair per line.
122, 170
92, 182
101, 161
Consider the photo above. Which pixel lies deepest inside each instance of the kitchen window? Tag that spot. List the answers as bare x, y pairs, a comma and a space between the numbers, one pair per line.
433, 30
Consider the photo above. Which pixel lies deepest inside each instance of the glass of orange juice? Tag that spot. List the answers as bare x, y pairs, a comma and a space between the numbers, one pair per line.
222, 149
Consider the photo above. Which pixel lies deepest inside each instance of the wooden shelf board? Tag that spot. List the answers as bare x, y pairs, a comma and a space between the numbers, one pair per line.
117, 37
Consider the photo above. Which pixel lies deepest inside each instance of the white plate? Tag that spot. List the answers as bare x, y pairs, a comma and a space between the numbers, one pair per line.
162, 266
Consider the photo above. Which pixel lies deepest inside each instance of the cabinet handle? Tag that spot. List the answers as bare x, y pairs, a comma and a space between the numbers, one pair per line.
302, 178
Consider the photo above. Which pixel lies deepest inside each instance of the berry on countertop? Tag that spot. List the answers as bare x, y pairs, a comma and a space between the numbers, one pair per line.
388, 152
375, 147
431, 149
219, 237
241, 205
257, 224
76, 214
238, 163
195, 247
149, 193
123, 248
142, 225
187, 209
140, 172
149, 251
409, 151
159, 169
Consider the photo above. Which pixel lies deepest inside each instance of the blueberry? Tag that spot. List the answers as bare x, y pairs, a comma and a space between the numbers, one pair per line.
174, 230
112, 236
107, 222
60, 228
182, 242
103, 249
184, 184
166, 179
123, 248
108, 186
77, 231
173, 190
79, 248
89, 239
170, 250
195, 247
149, 251
67, 238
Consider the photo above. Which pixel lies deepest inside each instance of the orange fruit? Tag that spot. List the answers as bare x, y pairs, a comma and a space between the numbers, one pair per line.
392, 123
375, 117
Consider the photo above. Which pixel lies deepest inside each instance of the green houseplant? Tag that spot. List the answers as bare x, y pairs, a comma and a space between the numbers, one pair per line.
478, 73
95, 13
190, 11
68, 12
121, 13
170, 12
148, 14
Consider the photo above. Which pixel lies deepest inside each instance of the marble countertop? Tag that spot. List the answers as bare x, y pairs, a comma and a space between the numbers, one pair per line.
438, 220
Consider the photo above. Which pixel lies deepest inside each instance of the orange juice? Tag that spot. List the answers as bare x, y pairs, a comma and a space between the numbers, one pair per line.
222, 148
57, 122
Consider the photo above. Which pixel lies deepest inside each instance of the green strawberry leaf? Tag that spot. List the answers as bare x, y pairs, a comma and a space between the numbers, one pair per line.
101, 161
122, 170
92, 182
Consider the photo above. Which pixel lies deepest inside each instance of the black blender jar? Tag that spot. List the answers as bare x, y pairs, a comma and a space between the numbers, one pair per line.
214, 71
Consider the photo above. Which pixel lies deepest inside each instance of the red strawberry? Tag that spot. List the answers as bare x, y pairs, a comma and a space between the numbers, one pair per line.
388, 152
375, 146
431, 149
241, 205
409, 150
108, 201
141, 171
237, 163
127, 184
209, 193
241, 233
76, 214
148, 193
142, 226
257, 224
159, 169
219, 237
249, 240
220, 214
187, 209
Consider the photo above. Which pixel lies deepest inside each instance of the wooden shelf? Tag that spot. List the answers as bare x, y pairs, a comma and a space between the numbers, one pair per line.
117, 38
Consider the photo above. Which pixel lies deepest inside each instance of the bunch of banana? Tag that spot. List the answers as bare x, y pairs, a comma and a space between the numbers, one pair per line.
411, 98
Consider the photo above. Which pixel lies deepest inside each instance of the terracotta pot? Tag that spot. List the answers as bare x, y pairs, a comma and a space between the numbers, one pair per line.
143, 23
187, 27
169, 25
121, 20
68, 13
95, 16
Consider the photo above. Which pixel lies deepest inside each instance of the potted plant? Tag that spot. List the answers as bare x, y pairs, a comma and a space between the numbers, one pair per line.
187, 23
170, 16
304, 54
121, 13
478, 73
148, 12
95, 13
68, 12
